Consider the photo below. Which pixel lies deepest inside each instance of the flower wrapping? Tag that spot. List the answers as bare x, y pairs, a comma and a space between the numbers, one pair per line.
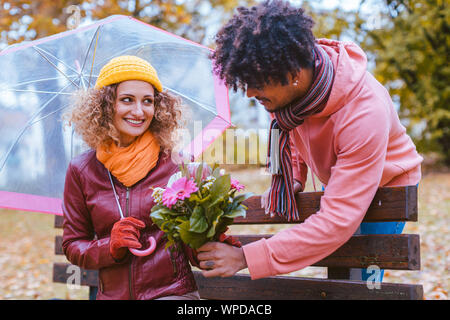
198, 204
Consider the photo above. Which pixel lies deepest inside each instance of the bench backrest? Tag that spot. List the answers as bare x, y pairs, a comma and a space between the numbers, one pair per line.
399, 251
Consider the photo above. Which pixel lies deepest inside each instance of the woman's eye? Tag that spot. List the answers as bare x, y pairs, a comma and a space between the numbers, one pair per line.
126, 99
148, 101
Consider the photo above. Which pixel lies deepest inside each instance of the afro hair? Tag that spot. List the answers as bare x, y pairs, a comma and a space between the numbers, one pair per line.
263, 44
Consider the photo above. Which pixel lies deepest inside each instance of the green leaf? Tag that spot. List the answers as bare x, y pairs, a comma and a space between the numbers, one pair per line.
156, 215
216, 172
220, 187
212, 230
222, 225
198, 222
157, 206
198, 174
166, 226
193, 239
159, 216
216, 214
216, 202
238, 212
181, 219
238, 200
165, 211
213, 213
205, 199
194, 197
242, 197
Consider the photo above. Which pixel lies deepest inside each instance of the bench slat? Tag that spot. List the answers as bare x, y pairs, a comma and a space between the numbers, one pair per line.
241, 287
61, 274
389, 204
398, 252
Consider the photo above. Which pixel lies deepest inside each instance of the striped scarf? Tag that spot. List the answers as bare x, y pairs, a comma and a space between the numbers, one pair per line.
281, 197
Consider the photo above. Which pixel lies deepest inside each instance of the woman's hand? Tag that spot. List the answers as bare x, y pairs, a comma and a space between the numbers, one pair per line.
125, 234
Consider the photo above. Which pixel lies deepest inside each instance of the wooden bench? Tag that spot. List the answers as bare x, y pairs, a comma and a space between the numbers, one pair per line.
396, 251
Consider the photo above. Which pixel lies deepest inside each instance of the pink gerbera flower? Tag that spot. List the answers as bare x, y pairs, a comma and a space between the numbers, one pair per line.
236, 185
179, 190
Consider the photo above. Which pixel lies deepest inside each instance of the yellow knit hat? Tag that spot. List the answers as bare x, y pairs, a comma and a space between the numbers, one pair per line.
125, 68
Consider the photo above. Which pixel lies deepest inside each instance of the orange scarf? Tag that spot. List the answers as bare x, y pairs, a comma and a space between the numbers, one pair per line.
132, 163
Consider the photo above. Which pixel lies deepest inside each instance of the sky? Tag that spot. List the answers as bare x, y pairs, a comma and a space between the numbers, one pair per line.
345, 5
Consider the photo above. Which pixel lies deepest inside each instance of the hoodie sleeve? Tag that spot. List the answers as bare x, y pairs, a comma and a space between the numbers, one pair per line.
79, 243
360, 145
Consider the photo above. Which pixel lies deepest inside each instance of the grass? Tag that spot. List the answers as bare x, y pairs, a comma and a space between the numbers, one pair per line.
27, 244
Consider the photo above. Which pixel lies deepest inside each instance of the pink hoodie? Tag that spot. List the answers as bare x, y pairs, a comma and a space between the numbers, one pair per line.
355, 145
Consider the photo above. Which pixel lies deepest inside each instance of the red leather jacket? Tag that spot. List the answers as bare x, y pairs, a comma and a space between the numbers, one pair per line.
90, 212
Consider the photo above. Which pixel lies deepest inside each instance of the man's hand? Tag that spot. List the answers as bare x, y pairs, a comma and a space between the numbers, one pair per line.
220, 260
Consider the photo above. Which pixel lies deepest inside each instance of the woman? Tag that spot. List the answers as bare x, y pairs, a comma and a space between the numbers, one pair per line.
128, 121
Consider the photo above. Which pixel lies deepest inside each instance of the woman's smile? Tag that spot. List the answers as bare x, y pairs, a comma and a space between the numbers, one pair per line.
134, 110
135, 122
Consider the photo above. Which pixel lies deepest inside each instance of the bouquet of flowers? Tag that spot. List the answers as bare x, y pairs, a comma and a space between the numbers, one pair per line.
198, 204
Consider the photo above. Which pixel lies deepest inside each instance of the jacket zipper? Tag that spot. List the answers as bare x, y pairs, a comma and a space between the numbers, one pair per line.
130, 269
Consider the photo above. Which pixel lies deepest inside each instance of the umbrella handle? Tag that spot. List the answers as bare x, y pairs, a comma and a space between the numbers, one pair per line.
145, 252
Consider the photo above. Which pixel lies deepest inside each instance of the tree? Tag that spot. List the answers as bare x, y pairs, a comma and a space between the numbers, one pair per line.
408, 49
411, 53
28, 20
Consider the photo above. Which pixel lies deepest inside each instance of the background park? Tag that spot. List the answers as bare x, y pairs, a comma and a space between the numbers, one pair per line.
407, 43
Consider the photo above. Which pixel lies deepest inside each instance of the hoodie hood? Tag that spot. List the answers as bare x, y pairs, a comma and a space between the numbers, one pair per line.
350, 66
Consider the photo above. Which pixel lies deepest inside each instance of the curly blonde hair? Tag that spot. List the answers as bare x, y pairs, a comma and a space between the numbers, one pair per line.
92, 113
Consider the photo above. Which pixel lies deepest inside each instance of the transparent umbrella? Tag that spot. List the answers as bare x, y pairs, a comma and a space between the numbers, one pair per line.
38, 78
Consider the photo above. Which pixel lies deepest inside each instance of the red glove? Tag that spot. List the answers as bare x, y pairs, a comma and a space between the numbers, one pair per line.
229, 239
125, 234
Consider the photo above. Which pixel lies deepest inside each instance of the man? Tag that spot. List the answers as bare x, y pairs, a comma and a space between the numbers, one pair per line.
332, 116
